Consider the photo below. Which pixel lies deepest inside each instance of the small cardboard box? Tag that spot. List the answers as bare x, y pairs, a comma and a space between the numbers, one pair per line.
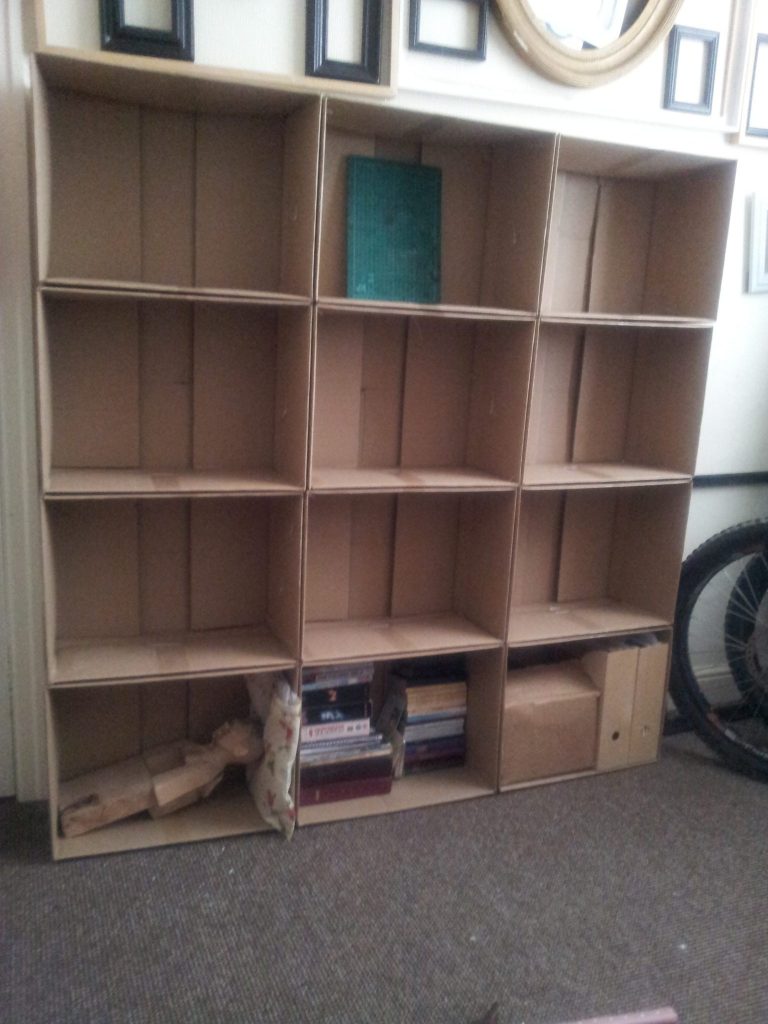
550, 722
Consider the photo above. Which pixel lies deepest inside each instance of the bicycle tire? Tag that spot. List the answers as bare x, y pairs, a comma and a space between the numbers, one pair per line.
723, 598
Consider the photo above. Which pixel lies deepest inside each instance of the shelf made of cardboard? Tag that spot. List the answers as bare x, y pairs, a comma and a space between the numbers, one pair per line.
635, 232
157, 588
161, 397
183, 185
584, 708
95, 727
606, 409
476, 777
418, 403
596, 562
407, 574
495, 184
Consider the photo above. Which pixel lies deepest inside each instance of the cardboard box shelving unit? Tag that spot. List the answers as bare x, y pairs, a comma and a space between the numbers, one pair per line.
484, 671
93, 727
244, 470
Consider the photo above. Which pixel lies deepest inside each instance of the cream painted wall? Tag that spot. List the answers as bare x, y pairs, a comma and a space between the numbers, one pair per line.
262, 35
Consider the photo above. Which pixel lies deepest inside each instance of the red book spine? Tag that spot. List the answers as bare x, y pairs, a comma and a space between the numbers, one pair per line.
329, 792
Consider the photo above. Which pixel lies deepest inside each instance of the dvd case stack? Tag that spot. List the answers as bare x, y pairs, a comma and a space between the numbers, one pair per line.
425, 715
341, 756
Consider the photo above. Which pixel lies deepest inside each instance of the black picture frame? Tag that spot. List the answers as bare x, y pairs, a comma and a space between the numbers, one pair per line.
677, 36
317, 62
117, 35
476, 53
753, 125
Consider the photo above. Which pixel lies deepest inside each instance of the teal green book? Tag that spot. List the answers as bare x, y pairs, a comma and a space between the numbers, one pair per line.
393, 230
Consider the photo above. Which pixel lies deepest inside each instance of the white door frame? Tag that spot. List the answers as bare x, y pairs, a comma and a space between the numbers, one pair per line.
22, 655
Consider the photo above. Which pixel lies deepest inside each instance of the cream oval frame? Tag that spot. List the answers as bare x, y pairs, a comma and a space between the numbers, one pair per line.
585, 67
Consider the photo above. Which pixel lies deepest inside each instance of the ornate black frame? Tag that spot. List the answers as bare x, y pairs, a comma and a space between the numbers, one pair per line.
478, 53
116, 35
316, 49
676, 36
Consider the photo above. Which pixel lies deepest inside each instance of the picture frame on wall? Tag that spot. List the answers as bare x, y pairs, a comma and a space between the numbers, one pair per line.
757, 102
431, 28
324, 43
161, 29
689, 83
757, 271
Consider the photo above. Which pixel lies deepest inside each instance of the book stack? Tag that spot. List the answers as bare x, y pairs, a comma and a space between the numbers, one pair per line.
434, 718
341, 756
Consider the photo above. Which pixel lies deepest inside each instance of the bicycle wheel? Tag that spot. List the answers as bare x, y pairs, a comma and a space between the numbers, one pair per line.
719, 677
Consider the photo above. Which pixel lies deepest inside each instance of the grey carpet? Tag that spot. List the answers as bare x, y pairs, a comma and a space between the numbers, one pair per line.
638, 889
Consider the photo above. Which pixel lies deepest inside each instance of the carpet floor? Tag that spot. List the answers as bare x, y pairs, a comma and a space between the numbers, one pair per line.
633, 890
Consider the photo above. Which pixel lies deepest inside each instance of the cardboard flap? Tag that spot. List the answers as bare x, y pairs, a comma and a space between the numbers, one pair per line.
95, 191
94, 359
300, 169
229, 563
338, 385
537, 549
164, 541
239, 206
437, 394
605, 389
586, 551
554, 397
97, 575
234, 396
329, 549
167, 197
425, 554
166, 385
372, 555
465, 175
567, 278
621, 246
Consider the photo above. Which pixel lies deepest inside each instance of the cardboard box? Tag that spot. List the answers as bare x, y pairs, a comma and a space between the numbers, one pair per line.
550, 723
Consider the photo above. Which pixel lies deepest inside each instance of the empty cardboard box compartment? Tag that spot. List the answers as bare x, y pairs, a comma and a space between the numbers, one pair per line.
170, 397
592, 562
153, 588
418, 402
636, 233
398, 575
174, 187
606, 406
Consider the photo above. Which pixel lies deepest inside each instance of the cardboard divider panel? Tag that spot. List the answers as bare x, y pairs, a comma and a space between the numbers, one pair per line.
98, 727
418, 402
495, 194
155, 588
390, 575
194, 197
476, 777
158, 396
606, 405
628, 226
594, 562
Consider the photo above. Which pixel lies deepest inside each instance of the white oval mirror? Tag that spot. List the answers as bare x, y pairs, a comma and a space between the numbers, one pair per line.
585, 42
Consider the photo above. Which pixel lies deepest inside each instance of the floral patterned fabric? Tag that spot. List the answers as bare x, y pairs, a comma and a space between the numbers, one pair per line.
270, 780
